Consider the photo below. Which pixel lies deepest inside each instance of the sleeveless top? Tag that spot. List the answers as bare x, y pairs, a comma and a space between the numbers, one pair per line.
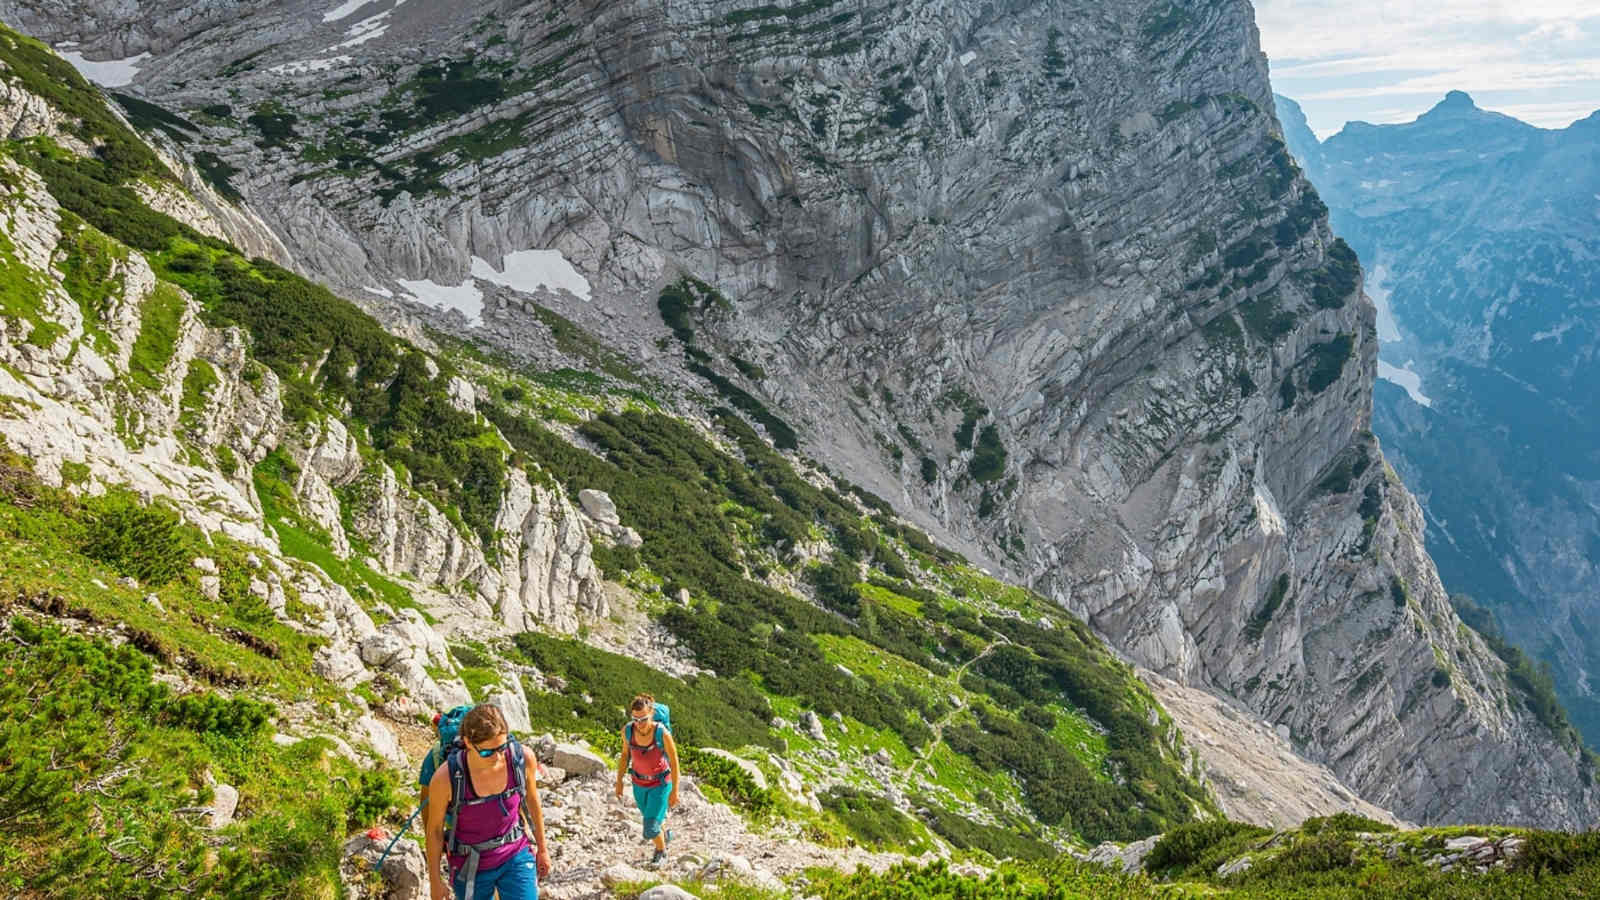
487, 821
647, 765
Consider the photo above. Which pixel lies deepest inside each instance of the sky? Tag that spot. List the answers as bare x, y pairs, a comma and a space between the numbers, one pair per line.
1387, 61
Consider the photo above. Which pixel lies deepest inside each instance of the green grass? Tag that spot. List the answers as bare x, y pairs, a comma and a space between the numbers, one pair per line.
66, 554
160, 316
88, 259
103, 764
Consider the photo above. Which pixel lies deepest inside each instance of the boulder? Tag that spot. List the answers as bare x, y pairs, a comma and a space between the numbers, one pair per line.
513, 703
382, 741
599, 506
340, 666
405, 870
667, 892
811, 724
1128, 857
737, 868
577, 761
622, 873
224, 803
1234, 867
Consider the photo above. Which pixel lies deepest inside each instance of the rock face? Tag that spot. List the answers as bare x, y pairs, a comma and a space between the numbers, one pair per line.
1041, 274
1254, 772
1479, 232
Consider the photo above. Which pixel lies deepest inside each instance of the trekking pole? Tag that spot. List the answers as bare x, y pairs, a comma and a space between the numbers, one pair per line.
385, 854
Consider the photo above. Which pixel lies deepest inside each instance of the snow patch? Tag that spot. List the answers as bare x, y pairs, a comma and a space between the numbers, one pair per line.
1407, 379
106, 72
343, 9
464, 297
306, 66
968, 57
385, 293
366, 30
529, 270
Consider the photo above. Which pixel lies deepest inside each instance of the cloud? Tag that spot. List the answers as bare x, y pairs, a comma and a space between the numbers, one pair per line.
1371, 59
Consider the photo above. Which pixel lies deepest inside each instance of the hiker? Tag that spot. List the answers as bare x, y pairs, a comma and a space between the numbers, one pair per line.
482, 789
650, 757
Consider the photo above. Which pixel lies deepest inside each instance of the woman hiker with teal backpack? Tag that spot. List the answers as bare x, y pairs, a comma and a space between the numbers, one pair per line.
650, 758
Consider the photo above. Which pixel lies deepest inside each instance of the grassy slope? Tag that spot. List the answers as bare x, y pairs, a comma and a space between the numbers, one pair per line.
1342, 857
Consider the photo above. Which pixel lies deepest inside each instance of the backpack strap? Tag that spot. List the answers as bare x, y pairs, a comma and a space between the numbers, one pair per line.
660, 728
519, 765
458, 792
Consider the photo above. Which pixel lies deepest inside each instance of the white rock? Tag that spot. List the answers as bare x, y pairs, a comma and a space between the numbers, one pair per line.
224, 802
211, 586
811, 723
1465, 842
1234, 867
206, 564
382, 741
748, 767
576, 760
622, 873
341, 666
462, 396
404, 870
667, 892
599, 506
513, 703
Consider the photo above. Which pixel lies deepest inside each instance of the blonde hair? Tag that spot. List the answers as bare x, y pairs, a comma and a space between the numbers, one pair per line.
482, 722
642, 701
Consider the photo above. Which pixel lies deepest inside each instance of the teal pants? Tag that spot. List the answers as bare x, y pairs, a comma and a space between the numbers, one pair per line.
652, 803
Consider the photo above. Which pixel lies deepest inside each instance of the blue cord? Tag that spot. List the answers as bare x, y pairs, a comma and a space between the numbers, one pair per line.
385, 855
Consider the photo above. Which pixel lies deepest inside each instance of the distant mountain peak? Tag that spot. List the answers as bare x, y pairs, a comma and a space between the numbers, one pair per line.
1456, 103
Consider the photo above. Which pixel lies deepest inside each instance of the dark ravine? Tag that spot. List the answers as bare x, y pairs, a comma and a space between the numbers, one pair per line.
1056, 248
1482, 228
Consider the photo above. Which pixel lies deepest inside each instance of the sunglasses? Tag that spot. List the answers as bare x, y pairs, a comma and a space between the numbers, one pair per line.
488, 752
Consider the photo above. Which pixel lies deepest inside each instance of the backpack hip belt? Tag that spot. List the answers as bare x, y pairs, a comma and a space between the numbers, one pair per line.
469, 872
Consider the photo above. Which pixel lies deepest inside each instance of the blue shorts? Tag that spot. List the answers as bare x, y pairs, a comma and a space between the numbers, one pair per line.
516, 879
652, 803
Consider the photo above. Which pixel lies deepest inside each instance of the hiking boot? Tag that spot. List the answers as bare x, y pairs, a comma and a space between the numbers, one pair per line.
657, 858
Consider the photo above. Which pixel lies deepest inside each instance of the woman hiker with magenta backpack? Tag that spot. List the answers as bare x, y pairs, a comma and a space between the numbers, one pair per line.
650, 757
482, 790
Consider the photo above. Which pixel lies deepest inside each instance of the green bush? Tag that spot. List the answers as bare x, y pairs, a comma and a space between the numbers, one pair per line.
1000, 842
1346, 822
102, 773
873, 820
1327, 361
1190, 843
735, 784
42, 73
989, 458
145, 542
1558, 853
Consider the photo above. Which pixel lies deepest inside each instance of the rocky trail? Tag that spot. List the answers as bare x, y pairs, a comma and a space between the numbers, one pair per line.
595, 842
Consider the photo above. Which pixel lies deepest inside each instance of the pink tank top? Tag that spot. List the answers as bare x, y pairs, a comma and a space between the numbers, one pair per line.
481, 822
